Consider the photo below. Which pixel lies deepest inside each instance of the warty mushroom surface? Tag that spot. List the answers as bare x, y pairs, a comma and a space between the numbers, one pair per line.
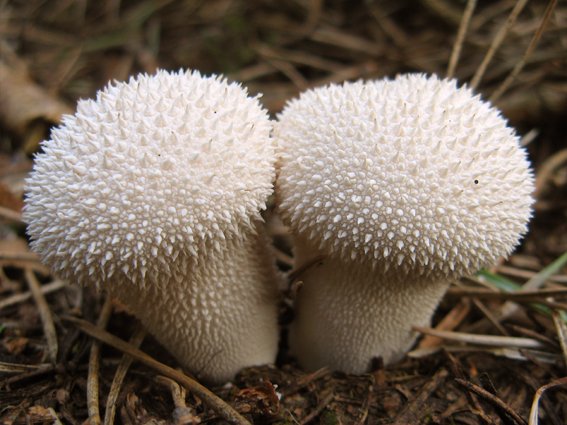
391, 189
153, 192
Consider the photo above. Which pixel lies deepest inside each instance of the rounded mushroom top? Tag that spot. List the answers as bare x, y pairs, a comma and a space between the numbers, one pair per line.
153, 166
412, 172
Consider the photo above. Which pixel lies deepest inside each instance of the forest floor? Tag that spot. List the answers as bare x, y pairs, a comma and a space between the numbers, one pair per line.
53, 53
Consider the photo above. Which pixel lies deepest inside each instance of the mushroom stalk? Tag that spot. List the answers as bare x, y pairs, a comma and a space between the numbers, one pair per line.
347, 314
219, 330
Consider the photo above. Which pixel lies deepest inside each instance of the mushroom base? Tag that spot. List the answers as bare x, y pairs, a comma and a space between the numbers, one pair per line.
348, 314
218, 317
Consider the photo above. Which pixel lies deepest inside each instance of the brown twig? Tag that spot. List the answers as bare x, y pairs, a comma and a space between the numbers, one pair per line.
499, 404
495, 44
533, 334
489, 340
461, 34
301, 58
313, 16
221, 408
561, 333
136, 340
527, 296
411, 410
318, 409
44, 314
20, 256
289, 71
296, 274
488, 314
29, 375
449, 322
92, 379
365, 406
534, 413
338, 38
389, 27
546, 171
445, 10
182, 414
11, 215
533, 43
177, 392
44, 289
528, 274
293, 389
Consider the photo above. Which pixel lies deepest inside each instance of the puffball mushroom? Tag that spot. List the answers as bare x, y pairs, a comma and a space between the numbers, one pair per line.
391, 189
153, 193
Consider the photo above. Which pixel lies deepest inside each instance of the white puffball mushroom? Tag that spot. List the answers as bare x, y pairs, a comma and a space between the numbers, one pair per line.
391, 189
153, 192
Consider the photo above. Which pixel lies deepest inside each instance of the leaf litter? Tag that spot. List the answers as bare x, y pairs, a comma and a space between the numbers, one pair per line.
497, 351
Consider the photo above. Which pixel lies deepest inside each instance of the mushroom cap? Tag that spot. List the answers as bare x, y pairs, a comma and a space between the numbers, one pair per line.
413, 173
153, 167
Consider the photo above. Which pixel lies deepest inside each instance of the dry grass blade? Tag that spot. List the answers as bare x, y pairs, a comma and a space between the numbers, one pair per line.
337, 38
365, 406
546, 171
183, 415
44, 313
445, 10
508, 308
539, 279
449, 322
135, 341
44, 289
11, 215
20, 256
283, 257
313, 16
499, 404
19, 368
221, 408
56, 420
501, 341
533, 43
491, 317
529, 137
535, 335
561, 333
496, 42
521, 354
301, 58
177, 392
322, 404
463, 27
534, 413
503, 295
305, 382
94, 361
289, 71
389, 27
410, 411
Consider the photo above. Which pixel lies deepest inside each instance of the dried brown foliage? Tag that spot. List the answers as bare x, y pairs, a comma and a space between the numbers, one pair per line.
61, 50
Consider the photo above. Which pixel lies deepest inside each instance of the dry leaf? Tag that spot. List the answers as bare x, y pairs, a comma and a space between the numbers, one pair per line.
22, 101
